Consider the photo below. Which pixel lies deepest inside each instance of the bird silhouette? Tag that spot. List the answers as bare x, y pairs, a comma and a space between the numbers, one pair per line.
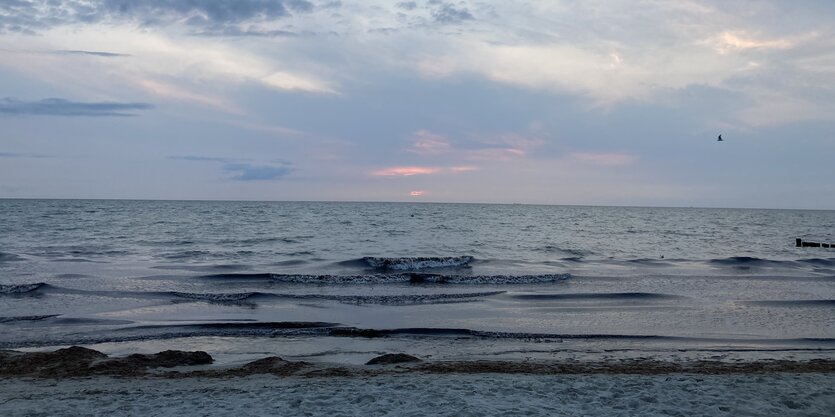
719, 139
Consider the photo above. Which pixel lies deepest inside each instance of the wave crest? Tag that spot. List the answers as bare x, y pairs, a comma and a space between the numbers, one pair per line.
11, 289
417, 263
216, 297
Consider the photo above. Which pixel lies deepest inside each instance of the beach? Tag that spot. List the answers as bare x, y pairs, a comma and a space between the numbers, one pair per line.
80, 381
781, 394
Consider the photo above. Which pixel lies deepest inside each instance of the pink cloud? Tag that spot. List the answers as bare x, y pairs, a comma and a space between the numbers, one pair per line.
409, 171
497, 154
428, 143
406, 171
509, 146
604, 159
417, 193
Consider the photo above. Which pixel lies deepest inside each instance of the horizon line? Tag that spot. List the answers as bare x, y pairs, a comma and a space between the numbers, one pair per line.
403, 202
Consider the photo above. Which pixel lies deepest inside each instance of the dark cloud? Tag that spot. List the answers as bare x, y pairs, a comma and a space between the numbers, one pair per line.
207, 13
29, 16
62, 107
333, 4
250, 172
93, 53
245, 171
446, 13
407, 5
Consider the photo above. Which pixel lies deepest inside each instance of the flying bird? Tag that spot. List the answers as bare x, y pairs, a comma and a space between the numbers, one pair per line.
719, 139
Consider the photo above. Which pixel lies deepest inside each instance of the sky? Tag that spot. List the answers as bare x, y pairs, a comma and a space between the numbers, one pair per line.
598, 102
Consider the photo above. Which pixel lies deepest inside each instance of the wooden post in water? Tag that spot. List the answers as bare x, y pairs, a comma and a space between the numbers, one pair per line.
800, 243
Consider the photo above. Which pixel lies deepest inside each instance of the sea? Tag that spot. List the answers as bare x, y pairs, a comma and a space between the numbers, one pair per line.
343, 282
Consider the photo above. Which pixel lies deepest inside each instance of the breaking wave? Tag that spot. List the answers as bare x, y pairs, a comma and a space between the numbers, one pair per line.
417, 263
221, 297
12, 289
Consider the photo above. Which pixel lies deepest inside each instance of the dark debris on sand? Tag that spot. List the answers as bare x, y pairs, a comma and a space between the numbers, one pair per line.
393, 358
82, 362
78, 361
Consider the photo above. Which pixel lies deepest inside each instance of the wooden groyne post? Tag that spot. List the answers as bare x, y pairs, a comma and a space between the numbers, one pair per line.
800, 243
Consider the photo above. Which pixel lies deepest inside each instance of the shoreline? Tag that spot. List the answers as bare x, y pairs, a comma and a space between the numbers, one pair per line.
77, 362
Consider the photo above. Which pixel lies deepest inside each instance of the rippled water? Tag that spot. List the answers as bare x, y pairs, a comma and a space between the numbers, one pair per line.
574, 278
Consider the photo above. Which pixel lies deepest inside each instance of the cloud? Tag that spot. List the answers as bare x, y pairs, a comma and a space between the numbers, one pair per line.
61, 107
496, 154
202, 158
609, 54
417, 193
173, 67
730, 41
250, 172
504, 147
603, 159
177, 93
408, 171
448, 14
407, 5
93, 53
509, 146
291, 82
32, 16
428, 143
257, 33
244, 170
197, 63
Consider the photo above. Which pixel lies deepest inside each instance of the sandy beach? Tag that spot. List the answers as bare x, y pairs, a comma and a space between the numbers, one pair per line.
776, 394
79, 381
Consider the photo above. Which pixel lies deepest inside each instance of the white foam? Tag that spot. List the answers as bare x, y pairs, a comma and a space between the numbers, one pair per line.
417, 278
418, 263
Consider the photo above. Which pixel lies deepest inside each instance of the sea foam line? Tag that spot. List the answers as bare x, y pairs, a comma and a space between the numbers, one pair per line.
399, 278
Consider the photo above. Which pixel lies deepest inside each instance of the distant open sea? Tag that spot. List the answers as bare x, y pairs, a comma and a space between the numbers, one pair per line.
345, 281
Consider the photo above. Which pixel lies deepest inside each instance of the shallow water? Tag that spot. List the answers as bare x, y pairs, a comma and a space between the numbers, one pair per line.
496, 276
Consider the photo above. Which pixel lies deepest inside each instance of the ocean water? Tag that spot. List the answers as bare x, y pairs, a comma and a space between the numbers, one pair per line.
346, 281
